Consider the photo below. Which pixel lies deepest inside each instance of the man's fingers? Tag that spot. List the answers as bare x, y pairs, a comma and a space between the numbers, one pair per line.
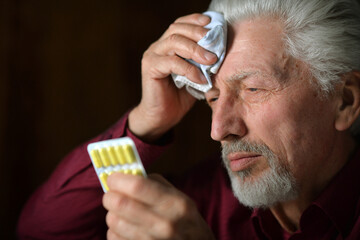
182, 46
125, 206
141, 189
128, 218
143, 208
191, 31
111, 235
158, 196
163, 66
195, 18
133, 211
179, 42
120, 228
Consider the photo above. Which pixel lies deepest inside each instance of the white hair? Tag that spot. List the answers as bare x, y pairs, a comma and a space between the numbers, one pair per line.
324, 34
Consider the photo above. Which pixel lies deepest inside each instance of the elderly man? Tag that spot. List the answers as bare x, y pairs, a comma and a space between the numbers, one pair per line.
284, 107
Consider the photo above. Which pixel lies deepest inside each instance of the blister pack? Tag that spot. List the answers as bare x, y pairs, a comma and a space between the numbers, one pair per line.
115, 155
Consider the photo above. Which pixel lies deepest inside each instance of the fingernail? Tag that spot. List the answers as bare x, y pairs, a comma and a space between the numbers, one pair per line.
209, 56
203, 19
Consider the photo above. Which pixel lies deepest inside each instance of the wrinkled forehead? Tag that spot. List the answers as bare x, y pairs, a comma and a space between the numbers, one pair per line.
254, 46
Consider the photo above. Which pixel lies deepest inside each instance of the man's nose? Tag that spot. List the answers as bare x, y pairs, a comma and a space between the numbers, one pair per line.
227, 121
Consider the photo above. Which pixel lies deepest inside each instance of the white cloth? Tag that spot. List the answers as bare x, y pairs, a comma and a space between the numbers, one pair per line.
214, 41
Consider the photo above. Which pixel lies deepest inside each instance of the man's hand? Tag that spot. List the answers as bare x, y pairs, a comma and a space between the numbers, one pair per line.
151, 208
163, 105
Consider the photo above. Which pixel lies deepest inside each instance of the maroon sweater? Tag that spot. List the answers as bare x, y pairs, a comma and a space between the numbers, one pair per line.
69, 205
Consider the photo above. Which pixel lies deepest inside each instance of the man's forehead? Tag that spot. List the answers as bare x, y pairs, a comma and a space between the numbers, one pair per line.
254, 47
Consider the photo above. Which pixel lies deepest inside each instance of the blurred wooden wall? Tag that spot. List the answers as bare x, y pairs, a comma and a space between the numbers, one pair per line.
68, 70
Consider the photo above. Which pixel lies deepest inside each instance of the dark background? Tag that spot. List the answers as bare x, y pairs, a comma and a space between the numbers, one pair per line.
68, 71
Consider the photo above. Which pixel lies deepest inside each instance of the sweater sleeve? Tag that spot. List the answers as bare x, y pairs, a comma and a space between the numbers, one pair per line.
69, 204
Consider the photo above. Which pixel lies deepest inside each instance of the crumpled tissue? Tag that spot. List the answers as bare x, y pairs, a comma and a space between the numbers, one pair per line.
214, 41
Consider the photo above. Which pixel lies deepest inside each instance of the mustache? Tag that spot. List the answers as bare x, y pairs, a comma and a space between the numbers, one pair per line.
241, 145
251, 147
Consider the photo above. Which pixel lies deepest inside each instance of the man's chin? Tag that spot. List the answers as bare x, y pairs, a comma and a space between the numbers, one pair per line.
257, 185
248, 175
262, 190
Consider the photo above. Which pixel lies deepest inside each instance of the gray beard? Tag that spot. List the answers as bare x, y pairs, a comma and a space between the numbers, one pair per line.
272, 186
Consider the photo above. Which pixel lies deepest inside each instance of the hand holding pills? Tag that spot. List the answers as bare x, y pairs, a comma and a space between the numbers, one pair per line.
150, 208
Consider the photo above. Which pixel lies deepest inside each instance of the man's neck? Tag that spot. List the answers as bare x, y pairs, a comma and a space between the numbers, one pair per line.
288, 214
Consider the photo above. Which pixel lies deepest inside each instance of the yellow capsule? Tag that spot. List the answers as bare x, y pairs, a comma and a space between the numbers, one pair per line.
96, 158
120, 154
127, 171
129, 153
104, 157
103, 178
137, 172
112, 155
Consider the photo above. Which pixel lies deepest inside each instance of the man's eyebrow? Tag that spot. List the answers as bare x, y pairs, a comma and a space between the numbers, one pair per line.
242, 75
238, 76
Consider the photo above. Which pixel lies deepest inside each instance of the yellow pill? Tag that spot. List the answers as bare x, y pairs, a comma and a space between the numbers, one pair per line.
96, 158
126, 171
120, 154
104, 157
129, 153
103, 178
137, 172
112, 155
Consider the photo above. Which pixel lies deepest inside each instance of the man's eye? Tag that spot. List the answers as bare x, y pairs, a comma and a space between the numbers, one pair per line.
253, 89
212, 99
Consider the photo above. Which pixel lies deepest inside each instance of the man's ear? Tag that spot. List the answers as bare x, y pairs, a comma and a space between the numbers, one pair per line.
349, 109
